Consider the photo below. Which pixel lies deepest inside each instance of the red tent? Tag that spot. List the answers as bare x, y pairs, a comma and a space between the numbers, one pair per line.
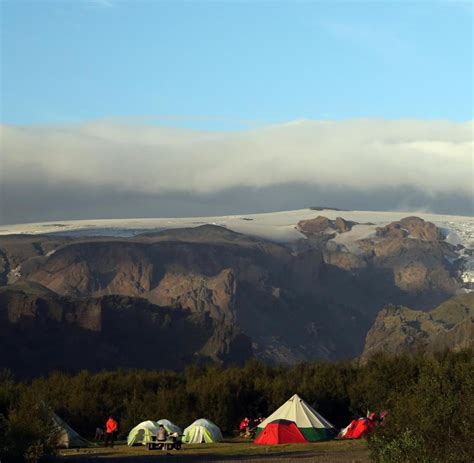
358, 428
280, 432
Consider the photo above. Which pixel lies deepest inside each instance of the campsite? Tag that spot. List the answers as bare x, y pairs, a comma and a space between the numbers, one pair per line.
307, 409
290, 432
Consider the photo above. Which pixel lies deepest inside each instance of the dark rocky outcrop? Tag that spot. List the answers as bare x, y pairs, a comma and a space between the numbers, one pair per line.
15, 250
323, 225
414, 227
399, 329
418, 264
42, 331
412, 252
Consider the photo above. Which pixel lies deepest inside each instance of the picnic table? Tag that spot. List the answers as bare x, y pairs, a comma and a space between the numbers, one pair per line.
169, 444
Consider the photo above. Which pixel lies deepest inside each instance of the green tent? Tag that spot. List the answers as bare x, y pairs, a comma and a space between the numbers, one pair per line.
202, 431
141, 433
311, 424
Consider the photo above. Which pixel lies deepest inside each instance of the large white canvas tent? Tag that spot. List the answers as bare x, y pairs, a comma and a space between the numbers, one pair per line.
201, 431
67, 437
64, 435
142, 432
312, 425
170, 427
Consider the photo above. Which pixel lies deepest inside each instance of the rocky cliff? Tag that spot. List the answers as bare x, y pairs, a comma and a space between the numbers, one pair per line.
42, 331
315, 298
399, 329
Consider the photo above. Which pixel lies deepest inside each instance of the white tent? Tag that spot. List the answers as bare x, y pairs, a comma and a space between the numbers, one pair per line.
312, 425
200, 431
67, 437
141, 433
169, 426
64, 435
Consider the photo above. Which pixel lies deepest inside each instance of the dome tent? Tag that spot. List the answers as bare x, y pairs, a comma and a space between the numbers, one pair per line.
142, 433
200, 431
169, 426
280, 432
312, 425
358, 428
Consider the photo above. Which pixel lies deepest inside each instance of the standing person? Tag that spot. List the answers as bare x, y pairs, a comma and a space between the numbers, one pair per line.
99, 433
111, 428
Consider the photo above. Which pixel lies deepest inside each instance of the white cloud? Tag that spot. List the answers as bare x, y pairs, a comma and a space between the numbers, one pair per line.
434, 156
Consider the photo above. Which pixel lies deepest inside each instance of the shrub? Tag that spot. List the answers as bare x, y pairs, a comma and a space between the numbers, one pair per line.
432, 417
404, 448
28, 433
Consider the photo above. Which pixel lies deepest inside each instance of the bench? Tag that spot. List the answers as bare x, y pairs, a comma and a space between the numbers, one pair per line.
169, 444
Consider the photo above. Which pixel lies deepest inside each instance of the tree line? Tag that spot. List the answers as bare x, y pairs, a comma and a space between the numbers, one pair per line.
430, 400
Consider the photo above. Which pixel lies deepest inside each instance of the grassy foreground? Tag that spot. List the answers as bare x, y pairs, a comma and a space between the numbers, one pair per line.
337, 451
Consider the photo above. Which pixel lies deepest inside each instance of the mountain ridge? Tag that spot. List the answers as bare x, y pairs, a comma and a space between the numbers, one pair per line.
400, 329
316, 297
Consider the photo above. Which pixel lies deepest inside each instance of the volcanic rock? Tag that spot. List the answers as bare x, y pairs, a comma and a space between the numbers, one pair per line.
399, 329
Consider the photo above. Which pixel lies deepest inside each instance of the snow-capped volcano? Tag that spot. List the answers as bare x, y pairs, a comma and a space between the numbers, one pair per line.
276, 226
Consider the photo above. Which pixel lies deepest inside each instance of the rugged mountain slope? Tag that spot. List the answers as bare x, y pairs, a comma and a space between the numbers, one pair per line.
315, 297
412, 252
398, 329
42, 331
17, 249
261, 287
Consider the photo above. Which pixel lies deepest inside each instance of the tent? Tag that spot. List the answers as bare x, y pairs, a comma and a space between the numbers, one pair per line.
280, 432
141, 433
358, 428
311, 424
66, 436
200, 431
170, 427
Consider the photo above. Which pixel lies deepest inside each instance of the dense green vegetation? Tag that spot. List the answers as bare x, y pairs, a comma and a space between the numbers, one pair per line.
430, 401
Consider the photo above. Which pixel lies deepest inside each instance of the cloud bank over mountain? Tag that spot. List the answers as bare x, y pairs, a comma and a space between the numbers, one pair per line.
116, 169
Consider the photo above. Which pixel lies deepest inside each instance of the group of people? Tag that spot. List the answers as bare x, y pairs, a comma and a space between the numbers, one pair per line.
247, 426
109, 433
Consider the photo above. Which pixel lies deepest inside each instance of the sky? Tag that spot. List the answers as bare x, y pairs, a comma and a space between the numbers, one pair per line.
183, 108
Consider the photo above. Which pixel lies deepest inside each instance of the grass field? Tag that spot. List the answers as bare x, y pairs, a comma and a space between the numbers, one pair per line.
337, 451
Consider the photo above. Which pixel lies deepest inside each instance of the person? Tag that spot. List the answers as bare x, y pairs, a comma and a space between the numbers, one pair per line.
176, 438
244, 426
99, 433
111, 428
161, 435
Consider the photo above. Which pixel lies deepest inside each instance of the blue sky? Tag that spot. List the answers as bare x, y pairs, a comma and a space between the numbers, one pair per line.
230, 65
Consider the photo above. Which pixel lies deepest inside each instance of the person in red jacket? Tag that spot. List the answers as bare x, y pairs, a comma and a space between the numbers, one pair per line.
111, 428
